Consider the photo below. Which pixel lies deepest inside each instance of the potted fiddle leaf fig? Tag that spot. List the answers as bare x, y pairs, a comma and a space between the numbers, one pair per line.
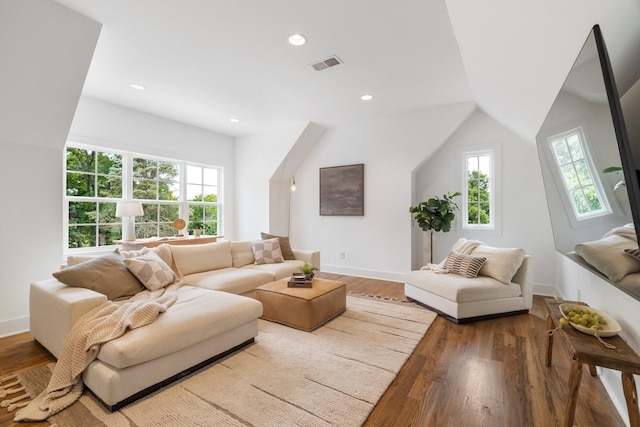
618, 170
436, 214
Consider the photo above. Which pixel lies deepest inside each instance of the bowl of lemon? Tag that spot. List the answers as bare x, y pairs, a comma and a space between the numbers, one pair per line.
589, 320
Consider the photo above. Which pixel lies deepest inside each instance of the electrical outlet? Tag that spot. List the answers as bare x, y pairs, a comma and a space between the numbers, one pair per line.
341, 255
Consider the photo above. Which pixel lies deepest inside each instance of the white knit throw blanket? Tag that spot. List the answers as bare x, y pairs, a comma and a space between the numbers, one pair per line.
102, 324
462, 246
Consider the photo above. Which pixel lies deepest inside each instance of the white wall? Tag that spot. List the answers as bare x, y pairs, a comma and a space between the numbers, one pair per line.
46, 51
377, 244
522, 210
258, 157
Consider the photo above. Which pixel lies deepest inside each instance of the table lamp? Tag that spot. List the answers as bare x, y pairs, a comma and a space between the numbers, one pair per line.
128, 210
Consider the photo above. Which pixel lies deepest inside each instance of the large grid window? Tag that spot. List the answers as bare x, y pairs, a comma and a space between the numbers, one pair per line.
478, 198
579, 179
96, 179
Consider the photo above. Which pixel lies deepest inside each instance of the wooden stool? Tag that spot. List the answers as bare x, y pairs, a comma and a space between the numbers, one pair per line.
587, 349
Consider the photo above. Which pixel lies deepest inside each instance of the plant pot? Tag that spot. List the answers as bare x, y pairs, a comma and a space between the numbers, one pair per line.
196, 232
308, 276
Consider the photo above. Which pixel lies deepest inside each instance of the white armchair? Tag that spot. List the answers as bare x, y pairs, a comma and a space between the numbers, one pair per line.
502, 287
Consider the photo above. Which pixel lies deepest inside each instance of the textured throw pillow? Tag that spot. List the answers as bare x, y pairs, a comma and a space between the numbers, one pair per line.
285, 245
608, 256
151, 270
267, 251
501, 264
464, 265
163, 251
106, 274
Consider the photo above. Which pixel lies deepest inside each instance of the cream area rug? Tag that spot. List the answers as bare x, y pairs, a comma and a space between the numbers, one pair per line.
332, 376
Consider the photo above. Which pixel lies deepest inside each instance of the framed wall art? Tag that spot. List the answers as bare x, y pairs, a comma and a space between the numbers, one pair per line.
342, 190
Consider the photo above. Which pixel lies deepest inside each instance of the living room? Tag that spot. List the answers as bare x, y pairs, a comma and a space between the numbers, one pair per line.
509, 67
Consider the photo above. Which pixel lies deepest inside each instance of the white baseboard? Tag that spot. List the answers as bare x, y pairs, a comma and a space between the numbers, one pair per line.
14, 326
546, 290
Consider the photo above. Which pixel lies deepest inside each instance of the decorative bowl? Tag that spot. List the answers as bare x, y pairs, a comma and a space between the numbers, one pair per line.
609, 329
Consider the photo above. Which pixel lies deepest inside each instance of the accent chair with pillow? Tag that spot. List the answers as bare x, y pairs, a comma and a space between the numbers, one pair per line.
474, 282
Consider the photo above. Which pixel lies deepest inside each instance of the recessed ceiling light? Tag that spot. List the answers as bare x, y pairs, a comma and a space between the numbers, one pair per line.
136, 86
366, 97
297, 39
234, 120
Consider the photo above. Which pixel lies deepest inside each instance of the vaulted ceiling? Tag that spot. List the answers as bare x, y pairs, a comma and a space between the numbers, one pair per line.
204, 62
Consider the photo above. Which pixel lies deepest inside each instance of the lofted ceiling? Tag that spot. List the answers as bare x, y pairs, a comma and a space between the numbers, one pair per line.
204, 62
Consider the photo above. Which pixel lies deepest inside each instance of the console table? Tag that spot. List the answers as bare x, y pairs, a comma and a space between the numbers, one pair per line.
152, 242
586, 349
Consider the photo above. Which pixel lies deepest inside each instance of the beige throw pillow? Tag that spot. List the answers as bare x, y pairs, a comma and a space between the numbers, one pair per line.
501, 263
285, 246
267, 251
608, 256
106, 274
151, 270
464, 265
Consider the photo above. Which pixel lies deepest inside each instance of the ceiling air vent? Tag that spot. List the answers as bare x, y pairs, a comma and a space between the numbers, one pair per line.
326, 63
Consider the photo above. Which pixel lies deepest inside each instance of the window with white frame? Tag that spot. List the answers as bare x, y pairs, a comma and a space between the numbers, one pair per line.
97, 178
579, 178
478, 203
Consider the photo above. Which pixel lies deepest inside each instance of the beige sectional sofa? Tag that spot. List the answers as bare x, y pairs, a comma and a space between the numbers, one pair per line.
212, 317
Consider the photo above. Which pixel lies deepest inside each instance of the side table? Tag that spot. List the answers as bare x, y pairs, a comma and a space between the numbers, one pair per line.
586, 349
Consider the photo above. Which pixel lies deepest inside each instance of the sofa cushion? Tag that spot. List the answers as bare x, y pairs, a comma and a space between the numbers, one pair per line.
197, 315
267, 251
464, 265
151, 270
202, 257
278, 271
242, 254
285, 246
234, 280
462, 289
608, 256
501, 263
105, 274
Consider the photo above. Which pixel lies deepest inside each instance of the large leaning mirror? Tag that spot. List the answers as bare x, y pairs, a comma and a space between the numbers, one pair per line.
589, 206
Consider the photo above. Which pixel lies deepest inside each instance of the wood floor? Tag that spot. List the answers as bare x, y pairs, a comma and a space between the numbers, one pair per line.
488, 373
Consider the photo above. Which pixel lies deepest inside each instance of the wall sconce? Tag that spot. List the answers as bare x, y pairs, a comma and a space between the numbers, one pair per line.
293, 183
128, 211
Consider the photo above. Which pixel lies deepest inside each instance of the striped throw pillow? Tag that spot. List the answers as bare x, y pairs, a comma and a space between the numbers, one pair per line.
463, 265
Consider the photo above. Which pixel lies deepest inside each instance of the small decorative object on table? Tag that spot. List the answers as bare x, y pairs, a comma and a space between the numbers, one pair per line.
307, 269
299, 280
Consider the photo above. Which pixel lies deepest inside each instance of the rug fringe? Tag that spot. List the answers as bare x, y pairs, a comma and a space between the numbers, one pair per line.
11, 404
378, 296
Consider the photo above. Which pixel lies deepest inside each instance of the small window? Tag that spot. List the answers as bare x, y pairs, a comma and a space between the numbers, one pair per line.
478, 198
579, 179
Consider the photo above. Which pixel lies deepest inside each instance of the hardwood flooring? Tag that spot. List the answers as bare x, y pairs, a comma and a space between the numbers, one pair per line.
487, 373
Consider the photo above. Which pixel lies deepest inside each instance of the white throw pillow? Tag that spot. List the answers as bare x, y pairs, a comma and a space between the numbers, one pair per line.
267, 251
608, 256
501, 264
151, 270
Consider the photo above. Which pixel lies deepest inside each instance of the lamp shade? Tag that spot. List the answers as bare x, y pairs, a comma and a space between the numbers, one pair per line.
129, 208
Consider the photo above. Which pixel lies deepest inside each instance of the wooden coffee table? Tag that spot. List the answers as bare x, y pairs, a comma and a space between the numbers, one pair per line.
586, 349
302, 308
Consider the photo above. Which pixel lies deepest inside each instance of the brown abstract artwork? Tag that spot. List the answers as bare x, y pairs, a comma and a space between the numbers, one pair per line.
342, 190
